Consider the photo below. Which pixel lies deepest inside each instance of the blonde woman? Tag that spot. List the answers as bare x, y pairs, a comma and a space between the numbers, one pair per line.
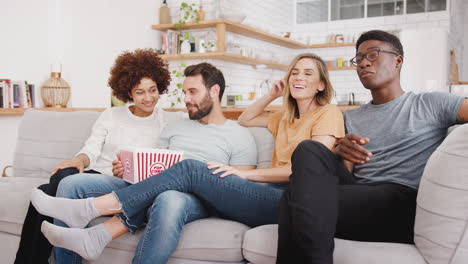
233, 193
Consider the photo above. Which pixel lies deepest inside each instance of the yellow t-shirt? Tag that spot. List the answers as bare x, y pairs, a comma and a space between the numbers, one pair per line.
325, 120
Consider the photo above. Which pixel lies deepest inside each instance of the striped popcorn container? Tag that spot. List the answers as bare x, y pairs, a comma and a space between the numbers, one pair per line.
142, 163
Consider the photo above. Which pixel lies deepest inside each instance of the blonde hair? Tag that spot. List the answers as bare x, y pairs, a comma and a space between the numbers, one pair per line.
291, 110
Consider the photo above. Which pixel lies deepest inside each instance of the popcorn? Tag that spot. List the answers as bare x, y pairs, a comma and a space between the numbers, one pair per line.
142, 163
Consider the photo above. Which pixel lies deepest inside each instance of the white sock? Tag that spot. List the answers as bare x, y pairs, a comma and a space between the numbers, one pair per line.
73, 212
88, 243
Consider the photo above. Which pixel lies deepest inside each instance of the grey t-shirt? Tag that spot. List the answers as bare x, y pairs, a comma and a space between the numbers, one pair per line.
228, 143
403, 134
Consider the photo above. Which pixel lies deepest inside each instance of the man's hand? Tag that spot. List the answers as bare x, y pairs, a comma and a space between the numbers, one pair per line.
117, 167
228, 170
350, 148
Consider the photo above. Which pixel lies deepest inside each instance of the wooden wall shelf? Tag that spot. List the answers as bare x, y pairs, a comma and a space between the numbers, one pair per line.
222, 26
251, 32
226, 57
238, 29
237, 59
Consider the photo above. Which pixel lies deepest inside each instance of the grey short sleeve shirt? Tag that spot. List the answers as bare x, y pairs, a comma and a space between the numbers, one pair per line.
403, 134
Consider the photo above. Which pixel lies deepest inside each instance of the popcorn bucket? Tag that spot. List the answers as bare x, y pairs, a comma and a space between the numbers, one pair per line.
142, 163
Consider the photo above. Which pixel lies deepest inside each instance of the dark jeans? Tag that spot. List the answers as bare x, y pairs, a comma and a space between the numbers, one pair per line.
324, 200
34, 247
231, 197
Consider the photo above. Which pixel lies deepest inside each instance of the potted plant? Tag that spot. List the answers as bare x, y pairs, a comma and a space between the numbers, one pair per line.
188, 13
175, 95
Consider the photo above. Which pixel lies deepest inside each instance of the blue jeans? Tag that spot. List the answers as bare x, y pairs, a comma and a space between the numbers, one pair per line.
166, 216
231, 197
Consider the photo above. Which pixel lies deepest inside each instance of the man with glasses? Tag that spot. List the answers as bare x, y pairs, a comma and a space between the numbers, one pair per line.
366, 188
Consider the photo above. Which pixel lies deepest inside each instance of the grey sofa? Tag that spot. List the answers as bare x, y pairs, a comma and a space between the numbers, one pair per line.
46, 138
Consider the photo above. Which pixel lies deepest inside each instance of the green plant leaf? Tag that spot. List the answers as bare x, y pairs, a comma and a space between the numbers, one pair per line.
183, 64
178, 100
172, 104
179, 85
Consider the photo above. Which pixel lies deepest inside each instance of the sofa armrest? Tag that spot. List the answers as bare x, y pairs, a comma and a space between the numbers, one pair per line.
4, 170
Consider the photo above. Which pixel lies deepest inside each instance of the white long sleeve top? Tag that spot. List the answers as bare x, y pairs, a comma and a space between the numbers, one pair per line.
117, 127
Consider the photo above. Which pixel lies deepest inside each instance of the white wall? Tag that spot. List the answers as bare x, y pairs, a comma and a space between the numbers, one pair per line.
26, 50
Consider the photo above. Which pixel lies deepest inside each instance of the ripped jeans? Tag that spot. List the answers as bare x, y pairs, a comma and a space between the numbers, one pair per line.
165, 217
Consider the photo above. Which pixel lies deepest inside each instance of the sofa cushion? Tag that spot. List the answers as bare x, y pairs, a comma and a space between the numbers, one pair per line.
260, 245
14, 201
264, 142
210, 239
46, 138
442, 205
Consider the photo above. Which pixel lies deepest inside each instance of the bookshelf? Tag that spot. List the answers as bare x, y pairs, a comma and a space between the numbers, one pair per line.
222, 26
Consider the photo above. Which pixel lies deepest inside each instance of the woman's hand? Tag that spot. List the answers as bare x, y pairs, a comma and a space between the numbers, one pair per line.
73, 163
117, 167
277, 89
228, 170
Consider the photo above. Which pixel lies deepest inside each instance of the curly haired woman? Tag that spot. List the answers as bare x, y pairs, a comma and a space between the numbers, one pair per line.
137, 77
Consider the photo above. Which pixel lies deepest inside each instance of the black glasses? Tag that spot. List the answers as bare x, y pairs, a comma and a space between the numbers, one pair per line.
370, 56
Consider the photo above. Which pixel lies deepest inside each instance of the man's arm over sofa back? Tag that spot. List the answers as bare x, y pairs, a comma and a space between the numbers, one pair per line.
46, 138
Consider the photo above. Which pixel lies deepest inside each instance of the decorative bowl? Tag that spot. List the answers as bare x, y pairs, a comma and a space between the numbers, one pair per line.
234, 17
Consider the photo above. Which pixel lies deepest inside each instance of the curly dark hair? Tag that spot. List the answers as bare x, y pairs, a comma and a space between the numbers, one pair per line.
131, 67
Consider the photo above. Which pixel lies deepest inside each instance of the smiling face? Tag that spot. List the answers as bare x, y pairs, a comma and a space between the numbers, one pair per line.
145, 95
383, 71
304, 80
198, 99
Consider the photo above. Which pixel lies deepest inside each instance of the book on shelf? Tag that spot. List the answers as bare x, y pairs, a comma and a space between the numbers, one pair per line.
16, 94
7, 93
164, 42
170, 42
32, 94
174, 37
2, 94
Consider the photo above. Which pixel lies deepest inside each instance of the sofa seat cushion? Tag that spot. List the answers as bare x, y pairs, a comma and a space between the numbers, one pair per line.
210, 239
260, 245
14, 201
441, 228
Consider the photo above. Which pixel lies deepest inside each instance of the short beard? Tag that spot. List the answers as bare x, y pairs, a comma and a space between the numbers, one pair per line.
204, 108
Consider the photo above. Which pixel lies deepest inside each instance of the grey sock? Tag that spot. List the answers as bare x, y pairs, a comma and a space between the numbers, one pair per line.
73, 212
88, 243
